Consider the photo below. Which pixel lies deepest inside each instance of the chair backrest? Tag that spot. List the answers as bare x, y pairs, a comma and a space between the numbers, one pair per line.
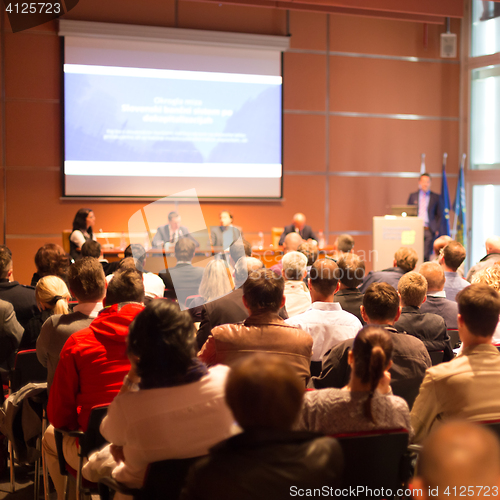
454, 338
65, 240
493, 425
436, 357
165, 479
93, 439
374, 459
26, 369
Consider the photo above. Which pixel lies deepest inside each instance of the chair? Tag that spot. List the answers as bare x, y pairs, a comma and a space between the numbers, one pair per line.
65, 240
454, 338
376, 459
164, 481
436, 357
88, 441
26, 369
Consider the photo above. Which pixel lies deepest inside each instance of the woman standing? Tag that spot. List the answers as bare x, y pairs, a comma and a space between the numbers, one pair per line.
83, 224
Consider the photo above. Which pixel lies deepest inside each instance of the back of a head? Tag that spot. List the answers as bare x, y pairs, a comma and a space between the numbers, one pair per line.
489, 276
381, 302
51, 259
324, 277
91, 248
215, 281
161, 336
493, 244
244, 267
86, 280
184, 249
310, 250
294, 265
129, 263
264, 392
412, 287
292, 242
138, 253
458, 455
52, 293
345, 243
126, 286
263, 291
479, 307
240, 248
453, 254
352, 270
372, 352
5, 261
440, 243
406, 258
434, 275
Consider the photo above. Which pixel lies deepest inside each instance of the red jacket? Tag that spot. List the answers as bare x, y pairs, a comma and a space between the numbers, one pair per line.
91, 368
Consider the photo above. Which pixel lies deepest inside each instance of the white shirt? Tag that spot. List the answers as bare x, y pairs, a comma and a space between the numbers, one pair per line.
328, 325
298, 298
90, 309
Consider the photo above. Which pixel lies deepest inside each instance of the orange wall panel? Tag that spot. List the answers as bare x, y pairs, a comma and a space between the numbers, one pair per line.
304, 142
383, 86
308, 30
304, 81
391, 145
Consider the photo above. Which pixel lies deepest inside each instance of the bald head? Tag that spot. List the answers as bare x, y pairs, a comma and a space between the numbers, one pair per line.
299, 220
459, 454
434, 274
493, 244
292, 242
440, 243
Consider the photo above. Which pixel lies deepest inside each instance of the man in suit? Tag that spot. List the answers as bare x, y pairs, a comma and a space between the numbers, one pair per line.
429, 209
183, 279
352, 271
299, 226
225, 234
171, 232
436, 302
467, 387
11, 333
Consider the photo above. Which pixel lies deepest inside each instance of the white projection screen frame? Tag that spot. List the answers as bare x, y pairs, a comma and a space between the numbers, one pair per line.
150, 112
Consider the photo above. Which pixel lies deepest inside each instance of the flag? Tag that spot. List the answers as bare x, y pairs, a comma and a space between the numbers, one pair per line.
444, 202
459, 206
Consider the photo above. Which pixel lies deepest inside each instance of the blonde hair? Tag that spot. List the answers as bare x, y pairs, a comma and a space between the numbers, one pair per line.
489, 276
52, 293
215, 282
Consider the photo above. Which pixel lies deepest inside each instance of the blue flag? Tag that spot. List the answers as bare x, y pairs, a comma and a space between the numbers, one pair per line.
444, 202
459, 207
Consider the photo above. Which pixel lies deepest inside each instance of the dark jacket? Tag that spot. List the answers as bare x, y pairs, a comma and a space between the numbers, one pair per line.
392, 275
22, 298
162, 235
447, 309
265, 465
306, 233
181, 281
433, 209
350, 299
410, 359
429, 328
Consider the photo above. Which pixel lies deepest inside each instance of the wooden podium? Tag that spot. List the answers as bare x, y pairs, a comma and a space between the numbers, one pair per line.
392, 232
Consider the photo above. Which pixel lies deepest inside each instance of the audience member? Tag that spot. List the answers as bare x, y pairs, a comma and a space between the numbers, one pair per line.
11, 333
344, 244
170, 405
469, 385
410, 358
352, 272
93, 248
298, 226
438, 245
325, 321
87, 284
453, 254
366, 403
492, 245
238, 249
20, 296
458, 457
429, 328
268, 459
436, 301
91, 368
83, 224
291, 244
298, 298
491, 277
263, 330
50, 259
310, 250
183, 279
405, 260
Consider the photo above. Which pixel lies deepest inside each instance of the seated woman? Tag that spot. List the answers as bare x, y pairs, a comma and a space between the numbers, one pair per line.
50, 260
366, 403
82, 231
170, 405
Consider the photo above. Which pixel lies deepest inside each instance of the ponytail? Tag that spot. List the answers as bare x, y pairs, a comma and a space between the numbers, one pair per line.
375, 371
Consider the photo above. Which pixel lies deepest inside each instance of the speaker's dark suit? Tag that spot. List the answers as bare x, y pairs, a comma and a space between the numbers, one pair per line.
163, 236
306, 232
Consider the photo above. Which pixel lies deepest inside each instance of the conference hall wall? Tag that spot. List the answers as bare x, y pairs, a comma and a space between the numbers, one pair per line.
349, 86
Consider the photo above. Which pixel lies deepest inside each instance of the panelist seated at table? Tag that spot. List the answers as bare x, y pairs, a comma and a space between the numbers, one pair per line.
224, 235
171, 232
299, 226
